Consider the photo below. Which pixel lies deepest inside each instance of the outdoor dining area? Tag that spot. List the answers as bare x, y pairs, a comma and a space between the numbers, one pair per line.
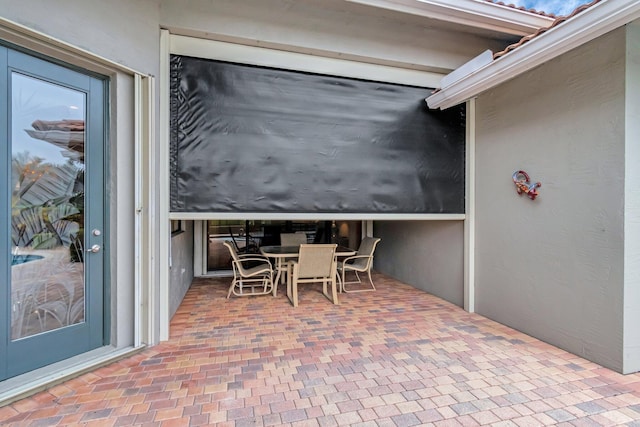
260, 269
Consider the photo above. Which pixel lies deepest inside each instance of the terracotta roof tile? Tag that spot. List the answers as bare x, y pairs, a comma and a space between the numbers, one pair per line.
537, 12
559, 20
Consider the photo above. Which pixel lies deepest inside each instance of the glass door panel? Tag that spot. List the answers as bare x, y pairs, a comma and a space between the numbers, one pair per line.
52, 293
218, 257
47, 206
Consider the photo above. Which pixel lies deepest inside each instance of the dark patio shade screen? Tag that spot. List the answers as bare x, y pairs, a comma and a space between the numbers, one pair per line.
253, 139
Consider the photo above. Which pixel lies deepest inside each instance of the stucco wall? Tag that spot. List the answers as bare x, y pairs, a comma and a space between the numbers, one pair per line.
425, 254
122, 31
553, 267
181, 272
632, 203
333, 28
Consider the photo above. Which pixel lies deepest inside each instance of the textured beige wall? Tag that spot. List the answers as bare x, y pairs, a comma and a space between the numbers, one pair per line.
181, 272
126, 32
425, 254
553, 267
632, 204
331, 28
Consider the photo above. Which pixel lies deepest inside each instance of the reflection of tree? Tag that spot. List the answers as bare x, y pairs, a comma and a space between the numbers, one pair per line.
47, 206
46, 202
47, 211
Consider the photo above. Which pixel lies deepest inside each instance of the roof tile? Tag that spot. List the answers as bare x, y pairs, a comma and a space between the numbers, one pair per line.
559, 20
511, 5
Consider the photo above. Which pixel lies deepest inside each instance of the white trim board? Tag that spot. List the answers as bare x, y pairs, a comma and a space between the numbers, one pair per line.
145, 220
315, 216
164, 232
253, 55
470, 208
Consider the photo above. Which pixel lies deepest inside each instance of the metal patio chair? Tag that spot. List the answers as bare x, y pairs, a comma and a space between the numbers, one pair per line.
252, 274
292, 239
362, 262
316, 263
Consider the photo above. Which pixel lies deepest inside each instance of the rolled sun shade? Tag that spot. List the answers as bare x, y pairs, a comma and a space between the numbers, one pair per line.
255, 139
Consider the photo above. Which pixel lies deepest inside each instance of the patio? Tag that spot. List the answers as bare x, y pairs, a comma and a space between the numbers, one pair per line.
394, 357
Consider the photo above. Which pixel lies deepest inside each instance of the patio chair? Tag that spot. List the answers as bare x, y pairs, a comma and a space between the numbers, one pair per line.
316, 263
252, 274
361, 262
293, 239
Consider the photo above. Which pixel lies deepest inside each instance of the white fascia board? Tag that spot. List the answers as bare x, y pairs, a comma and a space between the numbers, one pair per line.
588, 25
474, 13
479, 61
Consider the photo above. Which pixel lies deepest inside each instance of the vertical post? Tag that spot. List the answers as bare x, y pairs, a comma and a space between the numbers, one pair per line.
164, 231
469, 221
144, 298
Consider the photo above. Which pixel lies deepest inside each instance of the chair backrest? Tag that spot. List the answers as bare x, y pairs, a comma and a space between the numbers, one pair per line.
232, 249
367, 247
316, 260
292, 239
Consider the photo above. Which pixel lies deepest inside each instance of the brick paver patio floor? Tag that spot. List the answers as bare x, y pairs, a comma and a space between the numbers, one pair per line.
394, 357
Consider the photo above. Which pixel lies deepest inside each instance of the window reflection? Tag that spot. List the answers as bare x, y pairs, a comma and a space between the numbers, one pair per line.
47, 206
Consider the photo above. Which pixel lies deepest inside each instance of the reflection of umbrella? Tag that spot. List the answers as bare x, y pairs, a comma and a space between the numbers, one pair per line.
66, 134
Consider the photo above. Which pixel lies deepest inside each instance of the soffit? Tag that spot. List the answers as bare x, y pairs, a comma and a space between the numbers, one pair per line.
475, 15
584, 24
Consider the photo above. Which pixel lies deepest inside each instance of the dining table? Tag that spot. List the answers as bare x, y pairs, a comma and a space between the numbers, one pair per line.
282, 254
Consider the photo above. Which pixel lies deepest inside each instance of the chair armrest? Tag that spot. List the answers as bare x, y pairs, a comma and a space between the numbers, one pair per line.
254, 258
350, 258
248, 255
244, 256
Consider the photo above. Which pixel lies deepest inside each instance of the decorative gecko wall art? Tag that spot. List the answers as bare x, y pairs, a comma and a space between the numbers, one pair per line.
524, 184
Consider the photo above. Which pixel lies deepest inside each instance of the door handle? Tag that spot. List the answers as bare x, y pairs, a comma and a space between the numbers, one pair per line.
94, 249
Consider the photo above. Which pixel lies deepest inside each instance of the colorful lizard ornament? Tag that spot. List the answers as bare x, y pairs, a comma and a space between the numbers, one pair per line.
524, 184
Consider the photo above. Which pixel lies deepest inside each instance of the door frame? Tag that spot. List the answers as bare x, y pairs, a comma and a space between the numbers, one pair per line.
26, 354
128, 115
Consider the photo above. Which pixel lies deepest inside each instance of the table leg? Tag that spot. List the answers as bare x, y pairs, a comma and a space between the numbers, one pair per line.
276, 282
